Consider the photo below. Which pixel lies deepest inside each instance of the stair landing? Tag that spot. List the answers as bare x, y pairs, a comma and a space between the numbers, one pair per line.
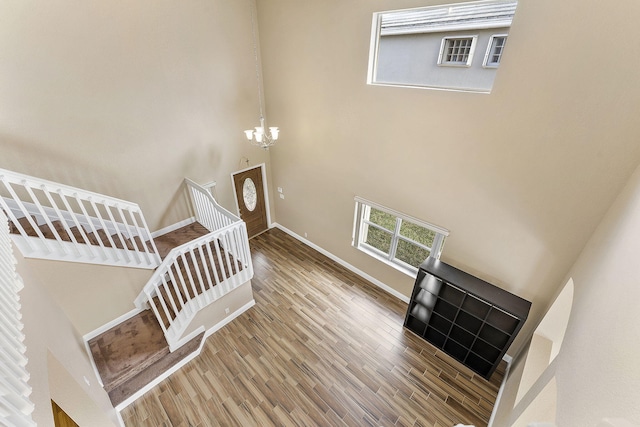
134, 353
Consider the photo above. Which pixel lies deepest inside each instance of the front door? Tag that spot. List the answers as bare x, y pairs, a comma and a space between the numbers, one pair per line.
251, 203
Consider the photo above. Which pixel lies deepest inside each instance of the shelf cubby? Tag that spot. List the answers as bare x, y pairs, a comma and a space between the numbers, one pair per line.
463, 337
434, 337
444, 309
441, 324
471, 320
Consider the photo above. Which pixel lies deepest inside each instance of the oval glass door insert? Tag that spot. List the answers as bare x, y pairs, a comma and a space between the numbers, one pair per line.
249, 194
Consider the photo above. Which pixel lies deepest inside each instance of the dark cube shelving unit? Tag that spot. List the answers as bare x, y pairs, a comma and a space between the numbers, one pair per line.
471, 320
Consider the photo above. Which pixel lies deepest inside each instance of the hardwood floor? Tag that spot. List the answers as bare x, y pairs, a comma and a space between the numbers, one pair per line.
60, 418
321, 347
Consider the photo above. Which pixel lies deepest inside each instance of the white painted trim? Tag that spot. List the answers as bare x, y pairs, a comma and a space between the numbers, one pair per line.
174, 346
509, 361
173, 227
159, 379
224, 322
110, 256
187, 359
373, 49
345, 264
115, 322
265, 189
420, 222
93, 363
490, 51
472, 50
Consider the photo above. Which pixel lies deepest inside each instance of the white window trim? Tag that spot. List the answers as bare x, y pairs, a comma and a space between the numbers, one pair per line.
389, 259
443, 45
488, 54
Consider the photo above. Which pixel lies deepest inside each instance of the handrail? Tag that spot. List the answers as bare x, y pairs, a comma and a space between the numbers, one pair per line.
201, 271
82, 226
207, 210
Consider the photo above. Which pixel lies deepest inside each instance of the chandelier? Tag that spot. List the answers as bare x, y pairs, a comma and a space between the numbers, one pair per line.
260, 137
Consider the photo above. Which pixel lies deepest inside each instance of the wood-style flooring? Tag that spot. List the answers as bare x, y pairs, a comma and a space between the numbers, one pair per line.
60, 418
321, 347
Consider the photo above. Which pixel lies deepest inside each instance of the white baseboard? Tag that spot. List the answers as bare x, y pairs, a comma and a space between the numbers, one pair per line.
187, 359
115, 322
509, 360
229, 318
173, 227
345, 264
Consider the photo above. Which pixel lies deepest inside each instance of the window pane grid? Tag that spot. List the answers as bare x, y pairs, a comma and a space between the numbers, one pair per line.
390, 237
495, 50
377, 237
458, 50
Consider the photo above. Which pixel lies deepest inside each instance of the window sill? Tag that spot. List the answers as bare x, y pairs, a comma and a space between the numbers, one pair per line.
403, 268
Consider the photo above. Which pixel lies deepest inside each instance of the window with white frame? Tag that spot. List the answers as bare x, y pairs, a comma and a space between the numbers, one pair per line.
433, 47
394, 238
457, 51
494, 50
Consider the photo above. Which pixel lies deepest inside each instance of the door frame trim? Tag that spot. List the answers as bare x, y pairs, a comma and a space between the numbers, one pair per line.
265, 189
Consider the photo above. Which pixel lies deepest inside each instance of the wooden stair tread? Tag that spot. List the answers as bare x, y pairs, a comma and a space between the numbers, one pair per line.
133, 353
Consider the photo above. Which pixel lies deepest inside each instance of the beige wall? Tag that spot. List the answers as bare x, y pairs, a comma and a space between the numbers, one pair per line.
596, 370
521, 177
58, 362
90, 295
126, 99
129, 98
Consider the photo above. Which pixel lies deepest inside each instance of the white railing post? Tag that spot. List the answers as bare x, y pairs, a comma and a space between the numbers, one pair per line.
117, 233
201, 271
76, 222
43, 203
92, 226
63, 221
44, 215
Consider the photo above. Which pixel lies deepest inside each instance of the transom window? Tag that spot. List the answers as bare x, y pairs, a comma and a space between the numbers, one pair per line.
494, 50
395, 238
457, 51
433, 46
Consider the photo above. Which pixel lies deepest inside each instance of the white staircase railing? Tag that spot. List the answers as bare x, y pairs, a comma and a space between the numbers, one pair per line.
207, 211
195, 274
15, 403
59, 222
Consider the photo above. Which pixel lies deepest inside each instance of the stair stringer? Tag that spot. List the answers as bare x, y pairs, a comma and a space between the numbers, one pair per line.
34, 247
